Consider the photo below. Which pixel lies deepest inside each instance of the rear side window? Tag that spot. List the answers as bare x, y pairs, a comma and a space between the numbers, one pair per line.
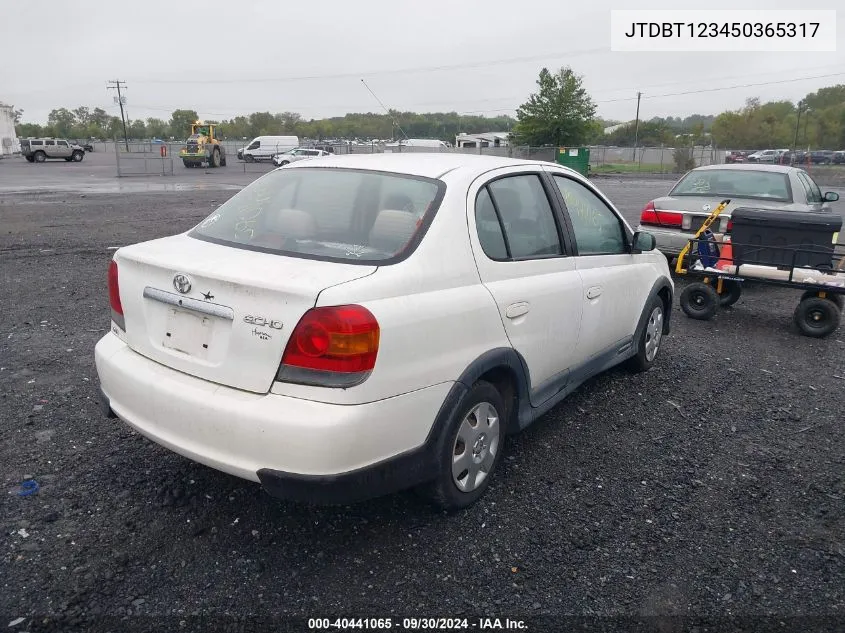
49, 142
526, 216
346, 215
489, 230
36, 142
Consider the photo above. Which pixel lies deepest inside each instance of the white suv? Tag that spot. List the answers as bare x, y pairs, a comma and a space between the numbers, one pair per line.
350, 326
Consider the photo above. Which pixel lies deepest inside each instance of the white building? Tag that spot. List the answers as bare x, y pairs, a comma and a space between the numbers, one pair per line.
485, 139
9, 143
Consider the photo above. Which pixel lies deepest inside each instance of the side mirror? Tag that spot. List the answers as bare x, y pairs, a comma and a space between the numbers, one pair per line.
831, 196
644, 242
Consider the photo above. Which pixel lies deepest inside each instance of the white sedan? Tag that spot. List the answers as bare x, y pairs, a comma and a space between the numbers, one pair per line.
299, 153
354, 325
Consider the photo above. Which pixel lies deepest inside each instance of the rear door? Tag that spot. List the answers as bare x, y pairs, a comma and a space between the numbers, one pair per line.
815, 200
523, 262
50, 149
615, 282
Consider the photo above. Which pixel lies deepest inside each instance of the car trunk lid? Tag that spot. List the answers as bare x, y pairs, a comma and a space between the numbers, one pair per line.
219, 313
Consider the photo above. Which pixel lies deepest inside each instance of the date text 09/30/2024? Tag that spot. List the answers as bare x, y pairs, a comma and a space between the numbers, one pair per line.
416, 624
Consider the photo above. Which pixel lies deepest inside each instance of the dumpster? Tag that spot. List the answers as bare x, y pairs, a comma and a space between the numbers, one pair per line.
577, 158
764, 236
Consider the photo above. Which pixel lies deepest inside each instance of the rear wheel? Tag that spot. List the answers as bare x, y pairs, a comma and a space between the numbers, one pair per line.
731, 292
699, 301
187, 163
215, 158
817, 317
30, 159
78, 156
40, 157
470, 449
837, 299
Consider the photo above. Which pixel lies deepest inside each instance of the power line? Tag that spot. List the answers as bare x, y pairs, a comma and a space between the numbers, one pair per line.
358, 74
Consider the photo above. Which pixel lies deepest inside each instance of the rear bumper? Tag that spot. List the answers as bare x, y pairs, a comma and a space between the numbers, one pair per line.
669, 242
192, 155
299, 449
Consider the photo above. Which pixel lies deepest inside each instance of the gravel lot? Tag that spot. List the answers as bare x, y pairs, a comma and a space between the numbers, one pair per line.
712, 486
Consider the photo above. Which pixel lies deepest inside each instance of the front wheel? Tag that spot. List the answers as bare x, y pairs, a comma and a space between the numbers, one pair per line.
40, 157
215, 158
77, 156
249, 158
649, 343
470, 449
284, 162
817, 317
699, 301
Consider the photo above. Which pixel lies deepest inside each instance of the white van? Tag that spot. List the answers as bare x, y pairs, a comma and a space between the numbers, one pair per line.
265, 147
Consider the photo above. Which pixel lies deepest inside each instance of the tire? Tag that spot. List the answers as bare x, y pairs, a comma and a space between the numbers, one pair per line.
731, 292
649, 343
77, 156
223, 161
837, 299
39, 157
471, 433
817, 317
30, 159
68, 159
699, 301
215, 158
187, 163
284, 162
249, 158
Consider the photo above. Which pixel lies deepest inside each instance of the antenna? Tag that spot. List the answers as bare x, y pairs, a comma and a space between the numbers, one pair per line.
389, 113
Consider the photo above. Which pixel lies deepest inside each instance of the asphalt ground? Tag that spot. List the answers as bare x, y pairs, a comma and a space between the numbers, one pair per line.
709, 488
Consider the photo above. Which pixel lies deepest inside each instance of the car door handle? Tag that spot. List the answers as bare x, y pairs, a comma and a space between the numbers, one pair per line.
594, 292
517, 310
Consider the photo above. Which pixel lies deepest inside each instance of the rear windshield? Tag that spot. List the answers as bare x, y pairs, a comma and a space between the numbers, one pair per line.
734, 182
335, 214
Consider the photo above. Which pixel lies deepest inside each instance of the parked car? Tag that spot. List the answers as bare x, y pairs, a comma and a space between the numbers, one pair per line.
821, 157
265, 147
299, 153
38, 150
736, 157
839, 157
281, 339
85, 145
766, 156
675, 218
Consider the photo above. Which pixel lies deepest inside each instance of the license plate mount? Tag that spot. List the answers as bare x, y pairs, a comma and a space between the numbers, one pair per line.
187, 333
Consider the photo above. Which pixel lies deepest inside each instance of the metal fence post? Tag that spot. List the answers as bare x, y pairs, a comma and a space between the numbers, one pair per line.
117, 158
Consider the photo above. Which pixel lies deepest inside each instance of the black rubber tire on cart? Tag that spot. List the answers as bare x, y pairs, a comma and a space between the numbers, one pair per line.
731, 292
837, 299
817, 317
699, 301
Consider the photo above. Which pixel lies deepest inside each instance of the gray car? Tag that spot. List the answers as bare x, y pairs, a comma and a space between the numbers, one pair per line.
675, 218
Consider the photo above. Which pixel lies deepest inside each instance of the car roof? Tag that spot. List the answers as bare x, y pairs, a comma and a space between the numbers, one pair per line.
782, 169
425, 164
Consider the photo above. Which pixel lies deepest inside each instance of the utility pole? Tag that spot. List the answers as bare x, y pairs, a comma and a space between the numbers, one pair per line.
637, 126
116, 84
797, 125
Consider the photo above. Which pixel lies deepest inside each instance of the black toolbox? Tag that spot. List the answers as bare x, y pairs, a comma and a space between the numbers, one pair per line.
769, 237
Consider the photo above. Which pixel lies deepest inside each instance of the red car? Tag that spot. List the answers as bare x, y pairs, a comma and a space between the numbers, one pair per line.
737, 157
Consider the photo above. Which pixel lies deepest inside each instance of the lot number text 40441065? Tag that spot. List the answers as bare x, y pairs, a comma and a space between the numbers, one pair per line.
416, 624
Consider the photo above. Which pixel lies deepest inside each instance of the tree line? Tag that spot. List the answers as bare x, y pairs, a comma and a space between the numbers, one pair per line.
561, 112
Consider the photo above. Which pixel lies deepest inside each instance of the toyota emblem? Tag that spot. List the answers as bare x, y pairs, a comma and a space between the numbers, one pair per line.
706, 207
182, 283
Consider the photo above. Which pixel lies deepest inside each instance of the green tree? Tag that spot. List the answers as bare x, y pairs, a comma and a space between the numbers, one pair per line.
559, 113
156, 128
61, 122
180, 123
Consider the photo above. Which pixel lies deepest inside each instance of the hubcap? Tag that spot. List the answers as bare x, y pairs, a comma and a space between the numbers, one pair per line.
476, 447
653, 333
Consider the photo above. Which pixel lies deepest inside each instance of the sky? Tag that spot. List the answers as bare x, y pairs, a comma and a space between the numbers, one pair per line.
225, 58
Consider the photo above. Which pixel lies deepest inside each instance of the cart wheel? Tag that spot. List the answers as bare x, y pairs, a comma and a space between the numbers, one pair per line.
837, 299
699, 301
817, 317
731, 292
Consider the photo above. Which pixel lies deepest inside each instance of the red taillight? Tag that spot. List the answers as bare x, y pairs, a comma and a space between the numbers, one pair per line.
730, 226
114, 296
650, 215
333, 346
